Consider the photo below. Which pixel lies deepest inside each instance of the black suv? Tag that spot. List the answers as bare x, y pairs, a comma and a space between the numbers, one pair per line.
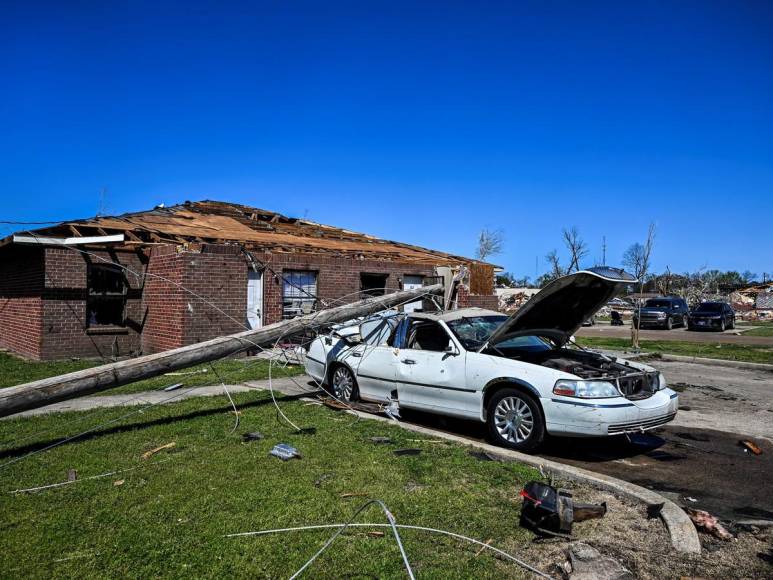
662, 313
711, 316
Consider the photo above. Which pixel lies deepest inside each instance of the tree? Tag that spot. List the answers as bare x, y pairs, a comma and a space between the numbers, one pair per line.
637, 259
577, 247
490, 243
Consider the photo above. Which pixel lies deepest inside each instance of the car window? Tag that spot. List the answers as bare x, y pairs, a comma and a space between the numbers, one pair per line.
709, 307
658, 303
474, 331
427, 335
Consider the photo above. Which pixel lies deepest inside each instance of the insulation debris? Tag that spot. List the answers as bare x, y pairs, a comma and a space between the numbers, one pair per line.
708, 524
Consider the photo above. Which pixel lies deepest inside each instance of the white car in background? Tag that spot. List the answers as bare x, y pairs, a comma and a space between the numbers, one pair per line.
521, 375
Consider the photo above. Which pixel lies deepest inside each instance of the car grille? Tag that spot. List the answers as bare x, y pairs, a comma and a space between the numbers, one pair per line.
635, 426
638, 384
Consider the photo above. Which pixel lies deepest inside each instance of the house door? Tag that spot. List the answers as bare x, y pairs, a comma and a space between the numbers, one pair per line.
254, 299
411, 282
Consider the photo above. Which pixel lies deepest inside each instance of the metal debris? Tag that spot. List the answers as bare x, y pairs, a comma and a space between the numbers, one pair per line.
284, 451
252, 436
380, 440
550, 511
410, 451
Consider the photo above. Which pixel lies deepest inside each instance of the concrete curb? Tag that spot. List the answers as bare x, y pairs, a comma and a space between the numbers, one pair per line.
717, 362
684, 536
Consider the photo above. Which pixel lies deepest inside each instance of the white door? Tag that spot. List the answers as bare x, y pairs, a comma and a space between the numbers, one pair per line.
254, 299
411, 282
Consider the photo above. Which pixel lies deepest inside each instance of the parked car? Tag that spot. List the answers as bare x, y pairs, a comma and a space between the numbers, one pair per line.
711, 316
590, 321
521, 375
662, 313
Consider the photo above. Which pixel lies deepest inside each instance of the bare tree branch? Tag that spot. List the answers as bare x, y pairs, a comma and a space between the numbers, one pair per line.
577, 247
490, 243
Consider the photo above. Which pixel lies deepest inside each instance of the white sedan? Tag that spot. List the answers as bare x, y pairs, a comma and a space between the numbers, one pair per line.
521, 375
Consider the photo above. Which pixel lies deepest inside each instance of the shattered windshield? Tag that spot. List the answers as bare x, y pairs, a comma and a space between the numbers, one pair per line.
474, 331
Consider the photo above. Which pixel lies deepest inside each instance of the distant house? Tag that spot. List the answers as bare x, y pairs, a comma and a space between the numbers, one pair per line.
159, 279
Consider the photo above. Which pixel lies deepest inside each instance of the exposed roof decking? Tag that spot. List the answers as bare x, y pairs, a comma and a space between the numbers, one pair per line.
219, 222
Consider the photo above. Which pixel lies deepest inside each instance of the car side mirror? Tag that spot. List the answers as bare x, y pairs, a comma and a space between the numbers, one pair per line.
450, 350
353, 339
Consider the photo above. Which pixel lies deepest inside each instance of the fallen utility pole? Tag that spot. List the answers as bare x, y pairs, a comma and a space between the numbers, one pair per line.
60, 388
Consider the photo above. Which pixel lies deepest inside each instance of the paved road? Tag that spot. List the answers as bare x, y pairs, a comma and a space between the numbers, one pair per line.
729, 336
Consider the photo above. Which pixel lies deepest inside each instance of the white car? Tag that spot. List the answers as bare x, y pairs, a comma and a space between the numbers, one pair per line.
521, 375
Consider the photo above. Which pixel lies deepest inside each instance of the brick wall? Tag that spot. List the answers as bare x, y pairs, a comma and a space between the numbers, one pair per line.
65, 329
21, 308
163, 300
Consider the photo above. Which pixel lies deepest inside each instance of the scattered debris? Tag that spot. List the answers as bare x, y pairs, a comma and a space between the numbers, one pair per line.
480, 550
375, 534
119, 482
413, 486
380, 440
149, 454
409, 451
354, 494
173, 387
72, 474
483, 456
707, 523
284, 451
654, 509
550, 511
692, 499
252, 436
751, 446
429, 441
587, 563
323, 478
392, 410
307, 431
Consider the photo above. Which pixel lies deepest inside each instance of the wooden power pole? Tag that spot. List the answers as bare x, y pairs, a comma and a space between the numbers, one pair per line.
60, 388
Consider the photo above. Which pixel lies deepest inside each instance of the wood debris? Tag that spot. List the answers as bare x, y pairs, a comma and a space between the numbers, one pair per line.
152, 452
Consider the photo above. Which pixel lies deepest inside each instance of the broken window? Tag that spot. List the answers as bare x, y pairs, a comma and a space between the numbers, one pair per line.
373, 284
299, 293
424, 335
106, 296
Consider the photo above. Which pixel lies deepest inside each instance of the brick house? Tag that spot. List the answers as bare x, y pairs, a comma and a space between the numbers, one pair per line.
159, 279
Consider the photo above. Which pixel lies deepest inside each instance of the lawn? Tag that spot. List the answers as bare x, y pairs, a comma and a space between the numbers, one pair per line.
167, 515
708, 350
760, 329
14, 371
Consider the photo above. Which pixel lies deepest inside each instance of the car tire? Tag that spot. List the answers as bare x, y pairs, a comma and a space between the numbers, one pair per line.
514, 420
343, 385
732, 324
722, 325
669, 323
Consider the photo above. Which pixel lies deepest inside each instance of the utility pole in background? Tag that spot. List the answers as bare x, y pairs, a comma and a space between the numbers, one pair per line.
604, 251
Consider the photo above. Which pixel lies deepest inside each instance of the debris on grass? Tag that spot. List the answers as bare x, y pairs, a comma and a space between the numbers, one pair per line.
375, 534
323, 478
380, 440
152, 452
587, 562
284, 451
72, 474
118, 482
483, 456
480, 550
354, 494
708, 524
173, 387
409, 451
252, 436
550, 511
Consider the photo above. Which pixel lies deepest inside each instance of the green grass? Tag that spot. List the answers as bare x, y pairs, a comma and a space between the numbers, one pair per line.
760, 329
15, 371
169, 516
724, 351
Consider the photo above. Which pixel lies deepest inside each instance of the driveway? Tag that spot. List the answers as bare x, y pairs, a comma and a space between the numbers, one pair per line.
729, 336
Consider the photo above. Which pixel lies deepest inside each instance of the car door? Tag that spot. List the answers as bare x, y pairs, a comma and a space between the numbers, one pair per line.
374, 360
431, 371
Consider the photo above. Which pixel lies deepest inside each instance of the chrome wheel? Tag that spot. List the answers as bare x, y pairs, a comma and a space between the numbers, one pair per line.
513, 420
343, 384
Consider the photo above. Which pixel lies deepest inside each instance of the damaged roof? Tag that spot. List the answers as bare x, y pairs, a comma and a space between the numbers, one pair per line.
217, 222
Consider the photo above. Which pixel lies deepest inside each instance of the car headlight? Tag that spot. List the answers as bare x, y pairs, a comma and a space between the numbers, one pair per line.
586, 389
661, 314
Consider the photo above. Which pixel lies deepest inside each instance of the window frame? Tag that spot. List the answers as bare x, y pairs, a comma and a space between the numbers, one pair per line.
94, 297
288, 312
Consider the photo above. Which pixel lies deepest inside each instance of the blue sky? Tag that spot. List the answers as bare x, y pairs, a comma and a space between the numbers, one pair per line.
422, 122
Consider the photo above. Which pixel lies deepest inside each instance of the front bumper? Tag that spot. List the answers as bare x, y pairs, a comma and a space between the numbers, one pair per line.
605, 417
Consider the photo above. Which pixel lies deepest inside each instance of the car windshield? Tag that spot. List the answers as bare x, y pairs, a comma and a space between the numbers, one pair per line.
474, 331
658, 304
709, 307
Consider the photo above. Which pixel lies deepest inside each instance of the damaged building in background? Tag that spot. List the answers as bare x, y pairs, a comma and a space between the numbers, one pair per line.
159, 279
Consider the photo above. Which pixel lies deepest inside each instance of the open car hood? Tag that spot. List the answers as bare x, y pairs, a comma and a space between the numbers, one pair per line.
563, 305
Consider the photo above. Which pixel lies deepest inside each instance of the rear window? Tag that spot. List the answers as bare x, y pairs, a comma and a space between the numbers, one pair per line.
709, 307
659, 303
